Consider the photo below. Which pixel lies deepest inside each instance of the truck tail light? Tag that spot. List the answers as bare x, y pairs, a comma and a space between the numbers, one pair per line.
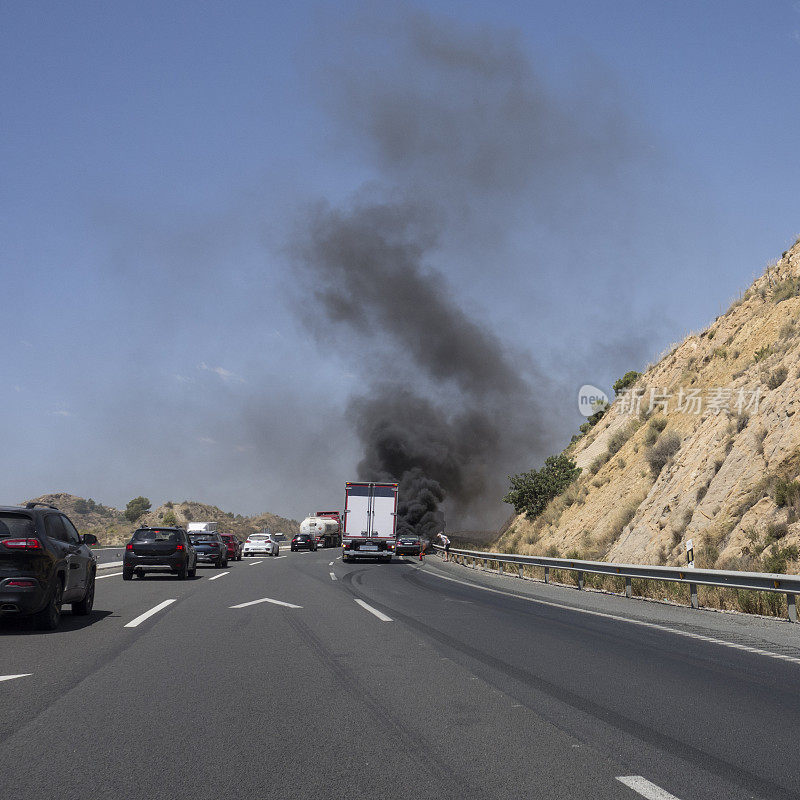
22, 544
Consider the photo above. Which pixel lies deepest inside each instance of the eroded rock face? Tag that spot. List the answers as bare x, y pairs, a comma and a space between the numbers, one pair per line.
718, 488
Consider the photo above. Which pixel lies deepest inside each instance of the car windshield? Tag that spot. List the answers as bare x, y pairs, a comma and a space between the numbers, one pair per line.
155, 536
16, 525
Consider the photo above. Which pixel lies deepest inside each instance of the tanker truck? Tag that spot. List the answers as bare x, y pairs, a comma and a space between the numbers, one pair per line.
325, 527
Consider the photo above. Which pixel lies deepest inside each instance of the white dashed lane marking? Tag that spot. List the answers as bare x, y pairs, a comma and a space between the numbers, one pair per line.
219, 575
379, 614
112, 575
147, 614
645, 788
12, 677
333, 577
253, 563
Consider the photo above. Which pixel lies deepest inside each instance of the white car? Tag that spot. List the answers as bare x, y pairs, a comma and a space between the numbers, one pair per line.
261, 544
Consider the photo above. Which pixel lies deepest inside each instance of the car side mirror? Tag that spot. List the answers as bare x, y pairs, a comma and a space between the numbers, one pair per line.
89, 538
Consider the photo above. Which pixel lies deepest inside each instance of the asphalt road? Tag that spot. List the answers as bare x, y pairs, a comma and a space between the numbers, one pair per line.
390, 681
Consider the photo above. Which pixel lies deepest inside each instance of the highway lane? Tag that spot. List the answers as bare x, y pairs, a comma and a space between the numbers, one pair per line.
462, 692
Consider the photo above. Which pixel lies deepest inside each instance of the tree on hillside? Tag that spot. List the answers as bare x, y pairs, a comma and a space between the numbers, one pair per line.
81, 506
532, 491
170, 518
627, 380
136, 507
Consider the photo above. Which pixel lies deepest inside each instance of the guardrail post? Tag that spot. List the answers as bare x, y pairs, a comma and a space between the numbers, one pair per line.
547, 574
693, 595
628, 588
580, 581
500, 568
791, 607
483, 563
519, 570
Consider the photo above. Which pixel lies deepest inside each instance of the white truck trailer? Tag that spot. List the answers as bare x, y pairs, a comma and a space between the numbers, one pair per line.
370, 520
202, 527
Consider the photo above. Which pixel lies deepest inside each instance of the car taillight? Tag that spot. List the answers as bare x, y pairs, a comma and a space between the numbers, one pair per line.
129, 546
22, 544
22, 584
179, 547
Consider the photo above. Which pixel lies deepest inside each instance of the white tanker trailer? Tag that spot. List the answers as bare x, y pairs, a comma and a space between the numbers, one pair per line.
325, 527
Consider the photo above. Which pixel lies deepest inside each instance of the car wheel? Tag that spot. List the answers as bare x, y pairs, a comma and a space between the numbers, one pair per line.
127, 574
48, 618
182, 572
84, 607
193, 571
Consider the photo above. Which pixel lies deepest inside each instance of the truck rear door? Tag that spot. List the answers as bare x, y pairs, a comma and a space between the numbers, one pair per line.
384, 507
357, 509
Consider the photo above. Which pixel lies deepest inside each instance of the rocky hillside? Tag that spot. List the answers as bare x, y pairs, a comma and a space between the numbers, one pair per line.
705, 445
112, 528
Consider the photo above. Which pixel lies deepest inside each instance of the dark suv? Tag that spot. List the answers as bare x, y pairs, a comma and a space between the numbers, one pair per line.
159, 549
210, 546
44, 562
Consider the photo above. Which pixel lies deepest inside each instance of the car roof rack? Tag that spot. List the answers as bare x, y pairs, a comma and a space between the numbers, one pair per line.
46, 505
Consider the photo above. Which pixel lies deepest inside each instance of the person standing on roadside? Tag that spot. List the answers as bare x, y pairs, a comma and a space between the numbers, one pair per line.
446, 543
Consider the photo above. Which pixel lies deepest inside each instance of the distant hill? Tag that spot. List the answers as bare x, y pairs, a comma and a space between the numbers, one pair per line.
112, 528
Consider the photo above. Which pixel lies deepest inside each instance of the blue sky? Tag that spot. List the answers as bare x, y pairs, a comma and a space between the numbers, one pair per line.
157, 336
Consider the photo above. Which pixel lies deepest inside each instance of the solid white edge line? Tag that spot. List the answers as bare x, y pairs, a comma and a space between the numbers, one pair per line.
112, 575
265, 600
655, 625
333, 577
380, 615
260, 561
219, 575
645, 788
147, 614
12, 677
110, 565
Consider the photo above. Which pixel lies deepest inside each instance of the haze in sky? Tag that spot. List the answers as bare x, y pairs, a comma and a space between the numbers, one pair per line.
238, 238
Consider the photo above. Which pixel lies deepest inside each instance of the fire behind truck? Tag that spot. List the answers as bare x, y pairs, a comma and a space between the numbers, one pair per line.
370, 520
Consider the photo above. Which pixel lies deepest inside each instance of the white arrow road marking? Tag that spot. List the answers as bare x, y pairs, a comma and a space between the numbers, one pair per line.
147, 614
645, 788
219, 575
333, 577
381, 616
11, 677
331, 564
266, 600
112, 575
253, 563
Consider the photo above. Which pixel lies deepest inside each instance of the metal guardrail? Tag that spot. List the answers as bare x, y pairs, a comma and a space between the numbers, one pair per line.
693, 577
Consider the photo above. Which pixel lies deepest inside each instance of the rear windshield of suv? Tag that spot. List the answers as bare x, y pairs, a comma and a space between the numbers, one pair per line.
203, 538
155, 536
16, 526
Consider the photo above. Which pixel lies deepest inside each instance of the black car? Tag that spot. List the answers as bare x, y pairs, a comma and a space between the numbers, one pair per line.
304, 541
159, 550
210, 547
408, 546
44, 562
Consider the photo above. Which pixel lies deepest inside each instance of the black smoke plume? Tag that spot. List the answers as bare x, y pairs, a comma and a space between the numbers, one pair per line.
468, 141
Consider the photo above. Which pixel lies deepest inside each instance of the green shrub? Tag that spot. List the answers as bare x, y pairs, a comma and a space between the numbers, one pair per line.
170, 518
626, 381
532, 491
81, 506
786, 290
776, 531
658, 423
762, 353
777, 377
778, 559
662, 451
786, 492
720, 352
136, 507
